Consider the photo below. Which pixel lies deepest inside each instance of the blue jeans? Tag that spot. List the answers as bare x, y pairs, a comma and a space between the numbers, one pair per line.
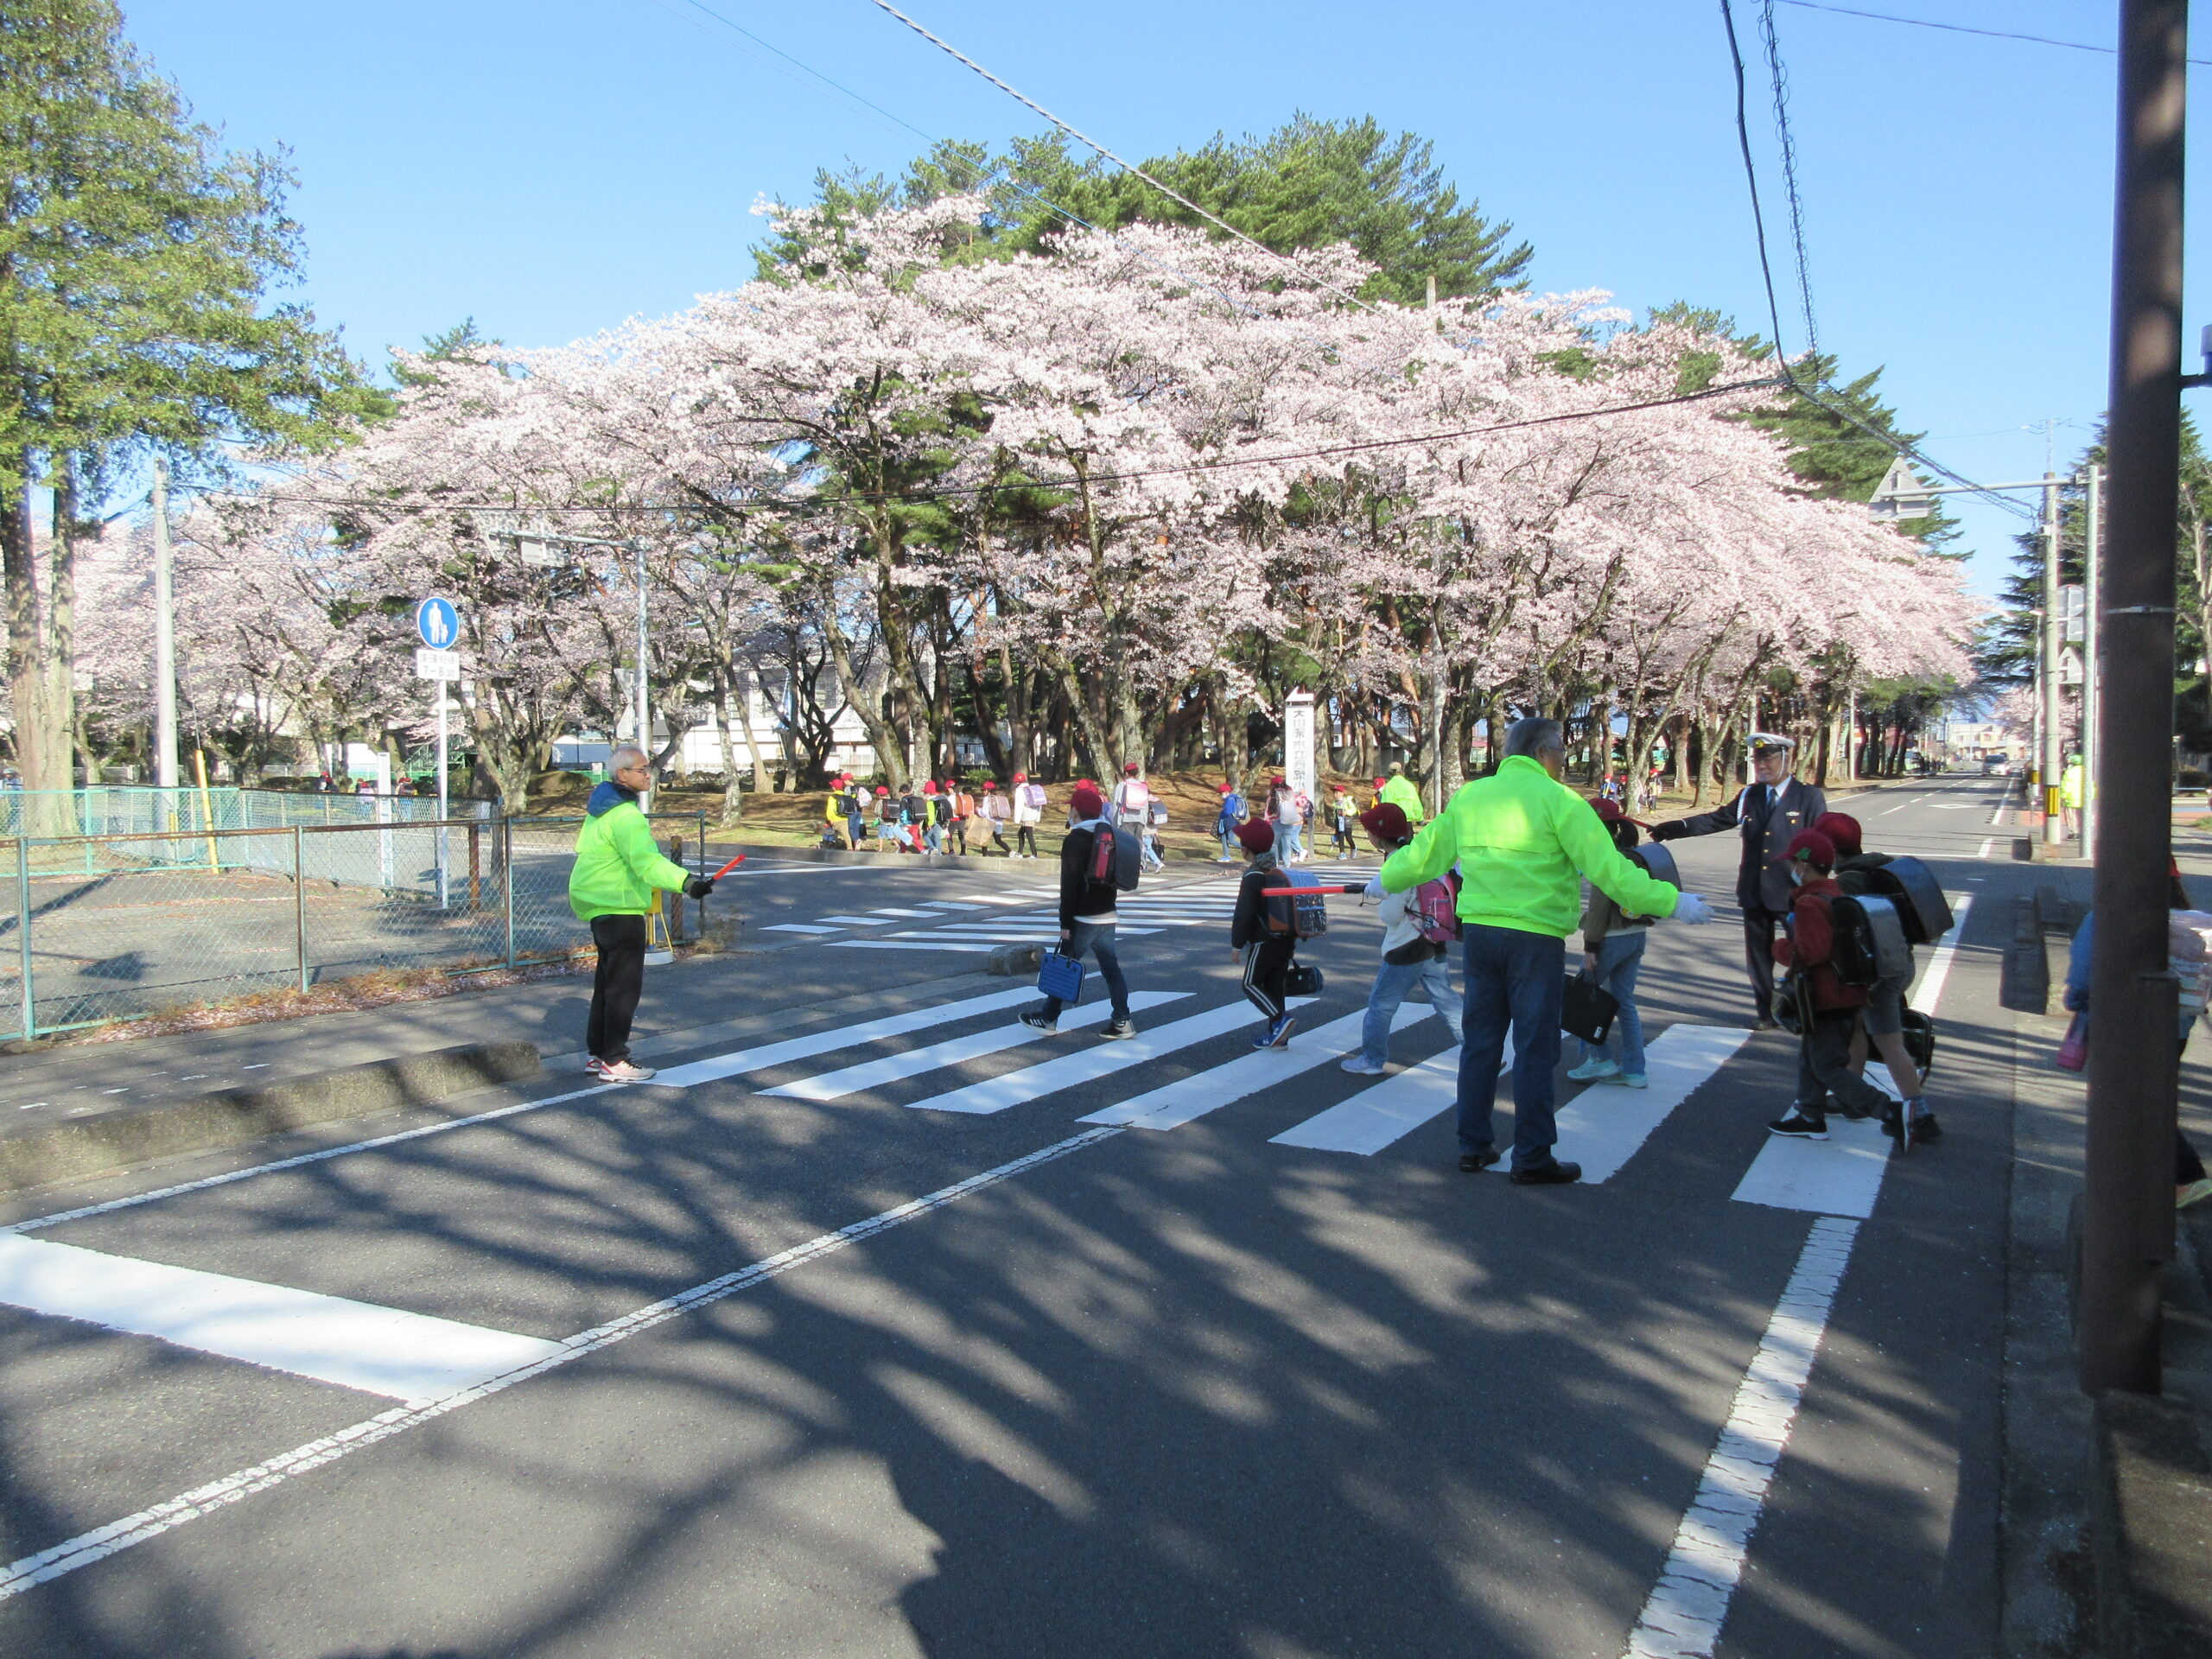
853, 830
1619, 956
1287, 843
934, 837
1225, 832
1096, 938
1515, 980
1392, 982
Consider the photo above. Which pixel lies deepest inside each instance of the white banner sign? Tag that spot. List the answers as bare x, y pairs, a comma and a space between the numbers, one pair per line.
437, 664
1297, 764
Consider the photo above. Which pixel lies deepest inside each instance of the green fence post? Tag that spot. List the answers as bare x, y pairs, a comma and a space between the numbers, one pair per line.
507, 881
23, 931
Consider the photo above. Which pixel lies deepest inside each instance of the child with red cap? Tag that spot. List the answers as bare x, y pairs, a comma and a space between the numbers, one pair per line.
1028, 813
1087, 914
1883, 1020
1410, 960
1267, 955
1829, 1008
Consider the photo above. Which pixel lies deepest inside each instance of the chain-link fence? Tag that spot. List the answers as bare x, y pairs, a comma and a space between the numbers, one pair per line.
116, 926
119, 809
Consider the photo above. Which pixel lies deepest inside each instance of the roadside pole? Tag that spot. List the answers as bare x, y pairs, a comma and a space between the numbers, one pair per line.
165, 768
438, 626
2054, 694
2092, 563
643, 714
2128, 1206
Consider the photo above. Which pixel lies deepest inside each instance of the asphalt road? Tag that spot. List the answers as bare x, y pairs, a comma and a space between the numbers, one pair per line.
915, 1360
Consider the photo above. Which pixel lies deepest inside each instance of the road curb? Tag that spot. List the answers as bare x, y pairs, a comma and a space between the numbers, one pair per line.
2150, 1528
100, 1142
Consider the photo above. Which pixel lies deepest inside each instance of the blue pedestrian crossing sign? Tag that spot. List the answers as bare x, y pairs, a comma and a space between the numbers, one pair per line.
438, 623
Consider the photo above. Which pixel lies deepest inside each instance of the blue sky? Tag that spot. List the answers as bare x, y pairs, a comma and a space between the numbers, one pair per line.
552, 167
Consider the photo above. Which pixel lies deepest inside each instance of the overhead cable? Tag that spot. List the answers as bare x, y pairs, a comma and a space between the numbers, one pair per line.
1027, 102
1959, 29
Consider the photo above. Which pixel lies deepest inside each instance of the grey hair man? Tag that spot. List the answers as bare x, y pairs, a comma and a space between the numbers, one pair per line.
1522, 841
1766, 813
617, 881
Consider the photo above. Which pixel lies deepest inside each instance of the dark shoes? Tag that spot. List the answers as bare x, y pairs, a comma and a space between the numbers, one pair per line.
1550, 1172
1037, 1020
1118, 1028
1766, 1022
1473, 1163
1795, 1126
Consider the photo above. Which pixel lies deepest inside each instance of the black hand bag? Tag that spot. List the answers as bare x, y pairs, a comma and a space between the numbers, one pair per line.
1587, 1010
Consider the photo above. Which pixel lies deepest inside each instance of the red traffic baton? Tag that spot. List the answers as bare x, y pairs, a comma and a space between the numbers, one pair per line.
727, 867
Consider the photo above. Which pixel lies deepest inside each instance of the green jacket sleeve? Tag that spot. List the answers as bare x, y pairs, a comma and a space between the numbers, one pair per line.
633, 839
1431, 853
1590, 846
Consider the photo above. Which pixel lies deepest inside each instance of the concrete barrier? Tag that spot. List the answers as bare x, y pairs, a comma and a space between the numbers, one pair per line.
119, 1136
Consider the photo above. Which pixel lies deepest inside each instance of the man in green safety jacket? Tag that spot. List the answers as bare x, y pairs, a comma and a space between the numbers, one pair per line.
1399, 791
619, 876
1522, 839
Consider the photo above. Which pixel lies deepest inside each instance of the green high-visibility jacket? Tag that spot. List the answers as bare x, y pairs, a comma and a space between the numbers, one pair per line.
1401, 793
618, 866
1520, 839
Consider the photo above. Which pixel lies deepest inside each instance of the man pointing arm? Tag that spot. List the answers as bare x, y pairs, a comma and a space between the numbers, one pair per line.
1521, 839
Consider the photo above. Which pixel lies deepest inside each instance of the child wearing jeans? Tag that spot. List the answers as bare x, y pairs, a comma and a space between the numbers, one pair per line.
1612, 951
1408, 960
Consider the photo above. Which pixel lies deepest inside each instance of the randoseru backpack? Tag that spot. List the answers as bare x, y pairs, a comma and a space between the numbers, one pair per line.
1294, 907
1434, 908
1870, 941
1116, 856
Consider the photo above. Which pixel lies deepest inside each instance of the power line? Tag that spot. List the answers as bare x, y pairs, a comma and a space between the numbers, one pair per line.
1027, 102
1960, 28
1322, 452
982, 178
1781, 80
1790, 378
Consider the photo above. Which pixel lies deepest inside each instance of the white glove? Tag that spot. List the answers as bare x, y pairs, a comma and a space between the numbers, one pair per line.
1374, 889
1692, 909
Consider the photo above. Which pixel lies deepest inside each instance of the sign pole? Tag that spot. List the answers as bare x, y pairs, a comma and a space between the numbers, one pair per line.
165, 770
444, 811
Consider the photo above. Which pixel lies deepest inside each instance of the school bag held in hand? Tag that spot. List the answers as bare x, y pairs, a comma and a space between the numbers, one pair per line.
1061, 976
1434, 908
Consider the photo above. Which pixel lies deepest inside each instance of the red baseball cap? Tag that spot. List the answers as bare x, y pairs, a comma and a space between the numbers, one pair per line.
1086, 800
1258, 836
1843, 829
1387, 822
1815, 848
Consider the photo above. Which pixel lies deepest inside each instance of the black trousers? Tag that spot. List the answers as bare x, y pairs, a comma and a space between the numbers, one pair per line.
1265, 964
1759, 957
615, 984
1025, 839
1824, 1069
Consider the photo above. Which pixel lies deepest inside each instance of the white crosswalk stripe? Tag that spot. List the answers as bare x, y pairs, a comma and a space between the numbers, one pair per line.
1086, 1065
739, 1062
892, 1068
1388, 1111
1188, 1099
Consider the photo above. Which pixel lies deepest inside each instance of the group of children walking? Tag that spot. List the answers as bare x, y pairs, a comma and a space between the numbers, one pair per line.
933, 817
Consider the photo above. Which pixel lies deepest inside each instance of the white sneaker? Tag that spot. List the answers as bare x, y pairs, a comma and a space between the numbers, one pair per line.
1360, 1065
1590, 1071
621, 1071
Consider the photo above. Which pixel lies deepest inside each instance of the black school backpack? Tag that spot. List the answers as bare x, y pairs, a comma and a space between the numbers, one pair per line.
1293, 910
1116, 856
1870, 941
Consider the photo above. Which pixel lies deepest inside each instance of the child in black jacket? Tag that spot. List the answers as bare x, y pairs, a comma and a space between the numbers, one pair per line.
1087, 913
1268, 955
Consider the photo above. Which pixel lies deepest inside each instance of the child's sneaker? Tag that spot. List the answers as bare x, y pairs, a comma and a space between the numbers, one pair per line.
1360, 1065
1036, 1020
1590, 1071
623, 1072
1797, 1127
1629, 1079
1118, 1028
1277, 1035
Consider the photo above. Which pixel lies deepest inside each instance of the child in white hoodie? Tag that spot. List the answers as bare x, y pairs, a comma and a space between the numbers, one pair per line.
1408, 960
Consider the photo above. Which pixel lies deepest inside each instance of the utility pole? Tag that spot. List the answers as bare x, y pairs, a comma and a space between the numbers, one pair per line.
165, 773
2128, 1208
644, 712
2054, 645
2092, 563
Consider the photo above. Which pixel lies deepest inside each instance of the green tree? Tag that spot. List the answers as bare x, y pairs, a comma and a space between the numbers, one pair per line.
135, 257
1309, 184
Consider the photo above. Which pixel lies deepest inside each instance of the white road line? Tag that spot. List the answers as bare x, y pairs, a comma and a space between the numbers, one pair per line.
382, 1350
1939, 966
1188, 1099
858, 921
948, 903
1982, 851
116, 1536
1997, 817
1606, 1125
743, 1060
924, 915
1687, 1608
893, 1068
925, 942
1391, 1109
798, 927
1086, 1065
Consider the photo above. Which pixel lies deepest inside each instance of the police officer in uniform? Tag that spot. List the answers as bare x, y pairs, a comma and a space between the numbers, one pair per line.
1766, 813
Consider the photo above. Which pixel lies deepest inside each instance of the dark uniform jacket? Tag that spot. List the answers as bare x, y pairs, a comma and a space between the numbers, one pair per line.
1767, 819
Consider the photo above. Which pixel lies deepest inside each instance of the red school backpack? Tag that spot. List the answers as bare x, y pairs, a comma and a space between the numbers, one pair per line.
1434, 909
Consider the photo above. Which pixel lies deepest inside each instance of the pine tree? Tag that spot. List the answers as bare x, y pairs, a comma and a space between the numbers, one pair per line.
135, 257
